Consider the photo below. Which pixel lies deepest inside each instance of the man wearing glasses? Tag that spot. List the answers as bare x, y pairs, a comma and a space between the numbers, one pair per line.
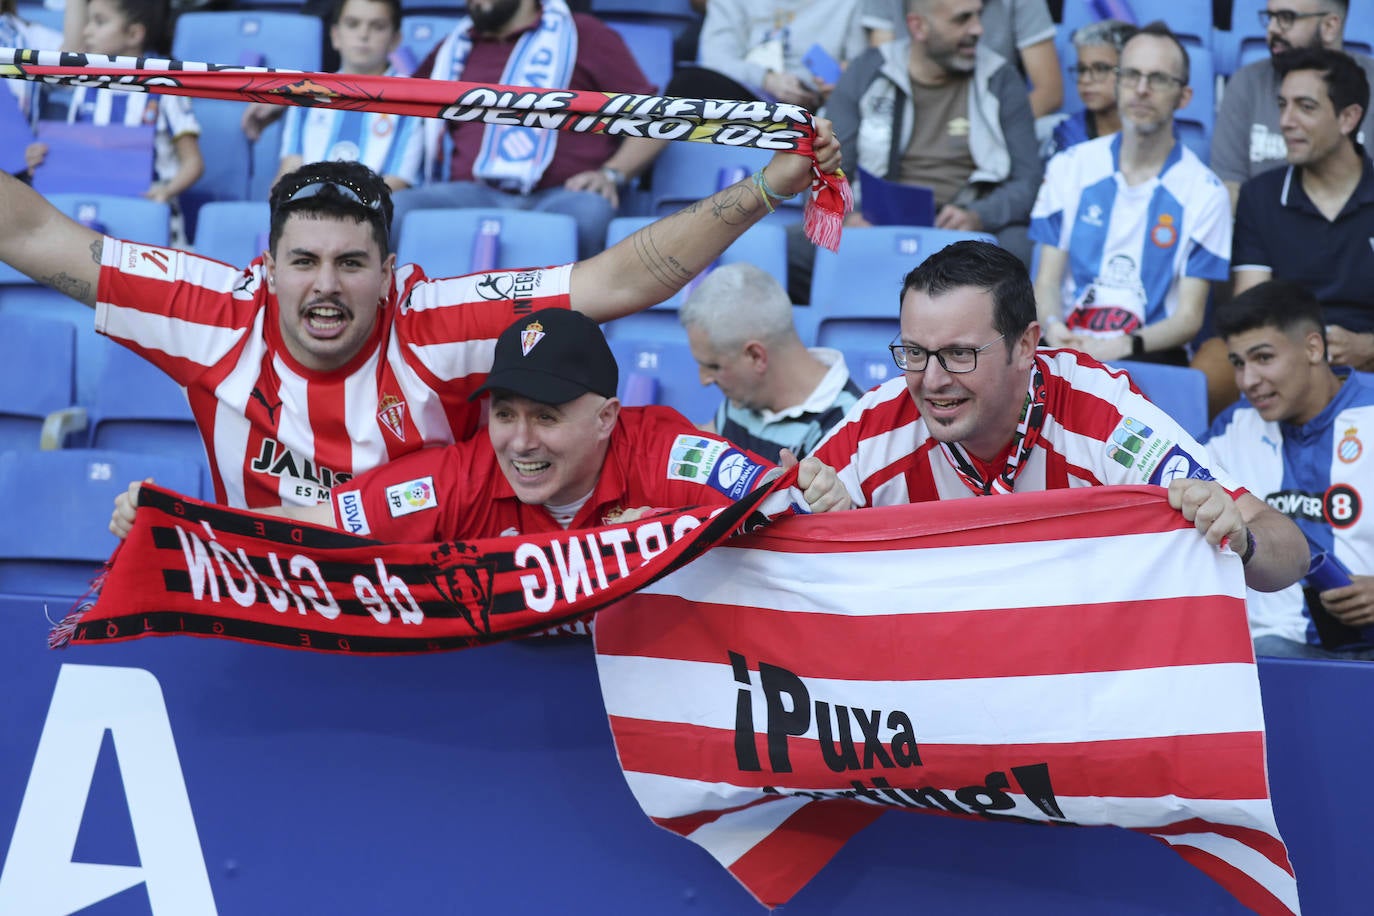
1132, 228
323, 358
980, 411
1247, 139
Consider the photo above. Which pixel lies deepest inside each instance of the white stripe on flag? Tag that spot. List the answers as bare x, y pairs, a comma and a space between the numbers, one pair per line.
1245, 858
1093, 706
934, 579
730, 837
668, 797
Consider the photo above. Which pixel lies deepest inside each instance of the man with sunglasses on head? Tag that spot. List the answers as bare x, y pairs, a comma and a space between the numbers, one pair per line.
323, 358
1132, 227
1247, 139
980, 410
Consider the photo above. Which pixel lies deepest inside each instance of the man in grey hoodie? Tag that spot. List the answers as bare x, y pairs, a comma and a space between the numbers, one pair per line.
936, 107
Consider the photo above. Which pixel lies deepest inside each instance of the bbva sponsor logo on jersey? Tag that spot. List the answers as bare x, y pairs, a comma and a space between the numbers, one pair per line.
39, 876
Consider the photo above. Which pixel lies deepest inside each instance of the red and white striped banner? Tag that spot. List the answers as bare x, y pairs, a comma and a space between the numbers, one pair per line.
1070, 657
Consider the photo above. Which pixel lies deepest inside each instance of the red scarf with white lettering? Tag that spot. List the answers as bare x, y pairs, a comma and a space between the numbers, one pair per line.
762, 125
193, 568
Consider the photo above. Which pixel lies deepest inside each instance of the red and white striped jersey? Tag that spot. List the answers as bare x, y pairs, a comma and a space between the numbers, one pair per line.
1099, 430
277, 432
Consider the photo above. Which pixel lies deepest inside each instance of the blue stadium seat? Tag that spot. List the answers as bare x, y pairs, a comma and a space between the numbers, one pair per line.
264, 160
676, 15
686, 172
1179, 391
763, 245
66, 498
232, 231
450, 242
138, 408
1247, 41
856, 292
131, 218
1194, 123
290, 41
1190, 21
421, 32
37, 376
246, 37
1068, 56
652, 47
664, 372
869, 366
228, 156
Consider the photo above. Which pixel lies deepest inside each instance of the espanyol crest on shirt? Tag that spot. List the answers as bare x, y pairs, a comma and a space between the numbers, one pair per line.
531, 335
1349, 448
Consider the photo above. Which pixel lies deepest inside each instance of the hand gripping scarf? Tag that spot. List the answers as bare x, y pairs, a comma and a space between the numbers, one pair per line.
193, 568
760, 125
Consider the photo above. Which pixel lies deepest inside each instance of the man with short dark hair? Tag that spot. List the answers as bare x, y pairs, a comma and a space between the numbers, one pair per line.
323, 358
1132, 227
1248, 139
1296, 440
1312, 222
980, 411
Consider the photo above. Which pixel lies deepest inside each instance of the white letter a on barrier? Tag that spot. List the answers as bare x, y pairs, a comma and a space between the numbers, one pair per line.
39, 876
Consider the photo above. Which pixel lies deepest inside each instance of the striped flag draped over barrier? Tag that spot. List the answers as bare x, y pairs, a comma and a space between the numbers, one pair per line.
1071, 657
762, 125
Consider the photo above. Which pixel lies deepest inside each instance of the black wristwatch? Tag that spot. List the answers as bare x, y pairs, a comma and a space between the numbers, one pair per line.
1137, 345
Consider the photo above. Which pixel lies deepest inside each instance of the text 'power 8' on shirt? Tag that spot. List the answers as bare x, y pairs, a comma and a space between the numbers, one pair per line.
279, 433
656, 458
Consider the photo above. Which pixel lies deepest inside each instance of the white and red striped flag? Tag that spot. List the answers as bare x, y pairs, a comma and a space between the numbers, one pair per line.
1077, 656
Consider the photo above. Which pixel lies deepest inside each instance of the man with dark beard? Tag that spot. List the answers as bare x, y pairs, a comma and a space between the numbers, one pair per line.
1247, 139
531, 43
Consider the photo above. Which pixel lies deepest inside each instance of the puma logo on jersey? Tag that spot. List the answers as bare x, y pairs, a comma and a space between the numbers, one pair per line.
262, 399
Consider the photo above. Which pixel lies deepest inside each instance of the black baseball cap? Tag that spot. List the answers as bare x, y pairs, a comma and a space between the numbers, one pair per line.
553, 356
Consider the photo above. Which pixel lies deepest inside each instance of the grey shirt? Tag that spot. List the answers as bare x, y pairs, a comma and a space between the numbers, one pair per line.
1247, 139
732, 28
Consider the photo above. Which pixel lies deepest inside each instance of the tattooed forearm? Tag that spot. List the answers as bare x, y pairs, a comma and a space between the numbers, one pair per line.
665, 268
75, 287
736, 204
97, 248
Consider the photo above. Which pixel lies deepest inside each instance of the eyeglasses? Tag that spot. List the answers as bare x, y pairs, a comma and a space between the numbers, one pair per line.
1284, 18
952, 359
1093, 73
347, 191
1158, 82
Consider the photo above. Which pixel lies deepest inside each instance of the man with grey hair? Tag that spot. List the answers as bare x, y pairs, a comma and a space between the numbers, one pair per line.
1247, 139
1097, 46
778, 394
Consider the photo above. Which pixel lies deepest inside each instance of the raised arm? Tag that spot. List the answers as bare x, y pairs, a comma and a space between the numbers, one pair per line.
39, 240
658, 260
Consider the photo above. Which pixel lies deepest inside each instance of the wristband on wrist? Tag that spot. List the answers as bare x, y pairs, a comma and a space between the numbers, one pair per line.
1249, 548
1137, 345
768, 194
613, 175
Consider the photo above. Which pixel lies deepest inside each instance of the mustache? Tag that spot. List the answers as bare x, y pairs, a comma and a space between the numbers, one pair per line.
329, 301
